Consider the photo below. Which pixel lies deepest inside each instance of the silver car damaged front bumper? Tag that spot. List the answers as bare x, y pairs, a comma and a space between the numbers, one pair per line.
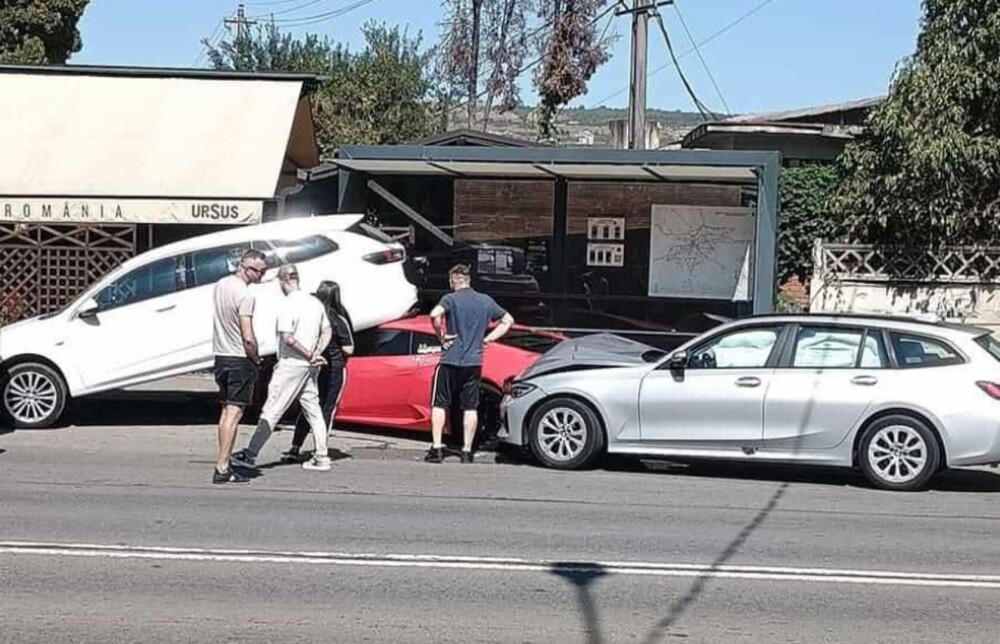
514, 415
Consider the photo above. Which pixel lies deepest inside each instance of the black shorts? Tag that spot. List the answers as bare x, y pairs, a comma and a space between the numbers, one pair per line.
450, 382
236, 378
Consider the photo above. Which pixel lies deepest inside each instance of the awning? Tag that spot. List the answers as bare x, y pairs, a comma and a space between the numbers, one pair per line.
96, 144
533, 170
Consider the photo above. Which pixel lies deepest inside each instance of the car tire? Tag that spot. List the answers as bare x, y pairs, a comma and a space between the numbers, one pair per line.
566, 434
34, 395
899, 452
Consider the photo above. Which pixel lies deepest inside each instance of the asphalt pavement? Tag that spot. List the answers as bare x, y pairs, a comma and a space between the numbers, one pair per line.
110, 531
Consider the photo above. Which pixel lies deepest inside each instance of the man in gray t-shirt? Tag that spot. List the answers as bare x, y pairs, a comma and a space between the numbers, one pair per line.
467, 315
236, 358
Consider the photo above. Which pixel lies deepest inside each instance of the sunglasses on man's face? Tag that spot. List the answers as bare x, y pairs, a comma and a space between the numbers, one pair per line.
259, 271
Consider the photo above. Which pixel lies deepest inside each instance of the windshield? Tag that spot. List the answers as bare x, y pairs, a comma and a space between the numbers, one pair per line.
991, 344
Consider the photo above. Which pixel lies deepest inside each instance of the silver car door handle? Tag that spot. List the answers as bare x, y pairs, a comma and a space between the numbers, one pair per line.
748, 381
166, 308
864, 380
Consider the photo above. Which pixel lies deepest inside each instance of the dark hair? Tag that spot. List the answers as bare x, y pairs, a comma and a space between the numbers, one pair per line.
462, 270
328, 293
252, 253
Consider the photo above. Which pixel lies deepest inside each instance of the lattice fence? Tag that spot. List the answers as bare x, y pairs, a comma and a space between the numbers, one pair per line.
959, 265
45, 266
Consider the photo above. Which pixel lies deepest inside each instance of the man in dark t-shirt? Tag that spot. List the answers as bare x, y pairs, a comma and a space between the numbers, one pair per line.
461, 320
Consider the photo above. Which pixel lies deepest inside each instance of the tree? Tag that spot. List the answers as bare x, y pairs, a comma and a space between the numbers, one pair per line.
484, 33
926, 173
805, 216
377, 96
39, 32
570, 55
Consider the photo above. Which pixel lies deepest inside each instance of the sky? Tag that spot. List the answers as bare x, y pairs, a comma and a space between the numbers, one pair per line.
764, 55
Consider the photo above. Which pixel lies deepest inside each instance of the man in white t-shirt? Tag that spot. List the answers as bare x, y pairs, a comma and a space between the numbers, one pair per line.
303, 333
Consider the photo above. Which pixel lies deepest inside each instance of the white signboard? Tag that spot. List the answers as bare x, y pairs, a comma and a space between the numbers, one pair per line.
605, 254
130, 211
606, 228
700, 252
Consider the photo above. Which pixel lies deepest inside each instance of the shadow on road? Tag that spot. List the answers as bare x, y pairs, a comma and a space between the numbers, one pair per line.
3, 451
582, 576
154, 408
681, 605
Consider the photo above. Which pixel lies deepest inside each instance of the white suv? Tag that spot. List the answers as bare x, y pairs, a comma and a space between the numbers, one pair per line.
151, 318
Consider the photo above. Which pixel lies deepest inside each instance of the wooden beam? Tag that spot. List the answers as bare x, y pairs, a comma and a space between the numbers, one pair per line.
377, 188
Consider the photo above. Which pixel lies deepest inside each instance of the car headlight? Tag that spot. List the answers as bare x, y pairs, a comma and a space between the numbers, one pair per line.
519, 389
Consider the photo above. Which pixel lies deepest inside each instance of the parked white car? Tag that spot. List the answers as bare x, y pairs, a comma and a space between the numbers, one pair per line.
151, 318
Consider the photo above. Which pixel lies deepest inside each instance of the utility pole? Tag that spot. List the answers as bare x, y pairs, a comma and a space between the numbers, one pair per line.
637, 73
637, 70
242, 25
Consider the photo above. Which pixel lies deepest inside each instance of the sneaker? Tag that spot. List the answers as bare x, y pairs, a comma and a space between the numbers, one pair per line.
434, 455
318, 464
291, 456
467, 457
243, 459
228, 477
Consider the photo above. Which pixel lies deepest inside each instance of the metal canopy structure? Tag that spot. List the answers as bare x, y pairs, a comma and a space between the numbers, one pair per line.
359, 167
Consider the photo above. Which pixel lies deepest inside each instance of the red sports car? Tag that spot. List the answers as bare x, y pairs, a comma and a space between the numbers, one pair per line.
389, 375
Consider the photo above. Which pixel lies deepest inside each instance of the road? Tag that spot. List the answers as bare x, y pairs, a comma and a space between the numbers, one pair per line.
111, 532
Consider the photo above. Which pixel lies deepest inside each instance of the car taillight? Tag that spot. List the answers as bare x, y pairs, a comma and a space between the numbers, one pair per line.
992, 389
386, 256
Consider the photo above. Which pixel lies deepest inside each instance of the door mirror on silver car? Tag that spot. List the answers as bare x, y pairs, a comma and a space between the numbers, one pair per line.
88, 311
678, 361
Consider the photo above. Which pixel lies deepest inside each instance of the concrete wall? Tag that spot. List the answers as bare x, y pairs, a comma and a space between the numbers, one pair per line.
960, 299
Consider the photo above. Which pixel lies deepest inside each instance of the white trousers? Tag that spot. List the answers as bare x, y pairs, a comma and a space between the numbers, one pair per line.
291, 379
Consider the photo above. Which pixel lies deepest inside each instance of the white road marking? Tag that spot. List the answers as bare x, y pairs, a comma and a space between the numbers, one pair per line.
656, 569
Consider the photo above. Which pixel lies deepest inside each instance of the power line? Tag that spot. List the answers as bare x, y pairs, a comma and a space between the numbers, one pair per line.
271, 3
321, 17
704, 64
271, 14
702, 108
700, 44
208, 42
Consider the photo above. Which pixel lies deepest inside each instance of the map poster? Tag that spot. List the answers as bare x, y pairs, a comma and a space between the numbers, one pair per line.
700, 252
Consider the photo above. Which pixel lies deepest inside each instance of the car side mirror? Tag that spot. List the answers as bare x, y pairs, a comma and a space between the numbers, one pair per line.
89, 310
679, 361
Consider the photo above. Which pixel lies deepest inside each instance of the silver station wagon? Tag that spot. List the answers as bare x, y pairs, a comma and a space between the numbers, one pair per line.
897, 398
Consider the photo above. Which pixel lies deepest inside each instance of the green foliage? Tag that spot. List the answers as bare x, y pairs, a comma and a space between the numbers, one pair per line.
377, 96
39, 32
805, 216
927, 171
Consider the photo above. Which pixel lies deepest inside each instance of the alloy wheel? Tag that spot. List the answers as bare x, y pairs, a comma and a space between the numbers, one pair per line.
897, 454
562, 433
30, 397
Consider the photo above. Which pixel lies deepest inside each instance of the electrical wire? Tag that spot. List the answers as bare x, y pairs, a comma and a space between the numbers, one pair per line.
702, 108
321, 17
209, 42
697, 50
269, 4
271, 14
701, 43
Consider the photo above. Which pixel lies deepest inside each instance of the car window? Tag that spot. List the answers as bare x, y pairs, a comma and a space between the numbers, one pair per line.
291, 251
991, 344
425, 343
913, 351
382, 342
837, 348
742, 349
211, 265
159, 278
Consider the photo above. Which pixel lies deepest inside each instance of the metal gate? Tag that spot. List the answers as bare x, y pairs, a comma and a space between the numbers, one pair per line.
44, 266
